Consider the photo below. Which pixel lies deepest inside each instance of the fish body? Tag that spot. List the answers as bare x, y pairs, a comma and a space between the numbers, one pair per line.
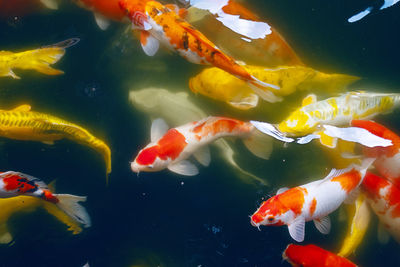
337, 111
213, 83
108, 8
161, 25
14, 184
38, 59
23, 124
170, 148
313, 256
387, 158
313, 201
384, 199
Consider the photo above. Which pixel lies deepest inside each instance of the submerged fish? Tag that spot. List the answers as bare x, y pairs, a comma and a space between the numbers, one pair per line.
21, 123
359, 217
384, 199
387, 158
313, 256
12, 8
311, 202
16, 184
161, 103
38, 59
160, 24
171, 148
220, 85
313, 115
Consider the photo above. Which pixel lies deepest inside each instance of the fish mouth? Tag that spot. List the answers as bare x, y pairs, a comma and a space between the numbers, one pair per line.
134, 167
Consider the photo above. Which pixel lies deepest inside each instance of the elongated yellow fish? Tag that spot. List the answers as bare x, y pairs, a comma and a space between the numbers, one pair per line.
220, 85
23, 124
359, 217
38, 59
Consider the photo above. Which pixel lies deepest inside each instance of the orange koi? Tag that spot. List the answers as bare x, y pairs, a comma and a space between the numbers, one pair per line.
104, 10
313, 256
161, 24
311, 202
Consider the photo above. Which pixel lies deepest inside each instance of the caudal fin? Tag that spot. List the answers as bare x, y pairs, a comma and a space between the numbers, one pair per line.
69, 204
259, 144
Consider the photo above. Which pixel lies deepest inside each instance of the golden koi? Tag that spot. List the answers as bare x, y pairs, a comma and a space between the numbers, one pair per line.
161, 25
359, 217
220, 85
38, 59
21, 123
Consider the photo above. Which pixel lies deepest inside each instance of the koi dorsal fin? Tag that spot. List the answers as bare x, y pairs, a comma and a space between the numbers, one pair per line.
24, 108
311, 98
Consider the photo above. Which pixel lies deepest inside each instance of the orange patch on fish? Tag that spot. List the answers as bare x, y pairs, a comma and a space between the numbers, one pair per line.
313, 206
348, 180
171, 145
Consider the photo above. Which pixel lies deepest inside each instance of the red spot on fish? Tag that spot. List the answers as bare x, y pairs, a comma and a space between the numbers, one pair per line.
147, 156
313, 256
143, 37
171, 145
20, 184
48, 196
199, 127
216, 125
313, 206
348, 180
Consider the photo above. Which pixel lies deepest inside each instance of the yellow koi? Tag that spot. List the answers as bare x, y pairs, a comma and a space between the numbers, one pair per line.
359, 217
38, 59
220, 85
23, 124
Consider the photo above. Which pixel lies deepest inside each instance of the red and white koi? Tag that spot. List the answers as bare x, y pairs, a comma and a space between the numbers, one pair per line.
313, 256
170, 148
384, 199
387, 158
162, 24
311, 202
16, 183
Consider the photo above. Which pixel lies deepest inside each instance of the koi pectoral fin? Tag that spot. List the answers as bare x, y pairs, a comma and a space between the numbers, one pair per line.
184, 167
101, 21
323, 225
297, 229
149, 43
158, 128
203, 156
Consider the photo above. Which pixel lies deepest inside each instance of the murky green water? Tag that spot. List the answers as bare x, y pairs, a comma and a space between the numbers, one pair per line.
162, 218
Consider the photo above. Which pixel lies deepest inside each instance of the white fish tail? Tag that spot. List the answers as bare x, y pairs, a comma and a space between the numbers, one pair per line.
69, 204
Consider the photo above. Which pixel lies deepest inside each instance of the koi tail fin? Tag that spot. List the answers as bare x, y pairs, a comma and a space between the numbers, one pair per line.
330, 82
259, 144
69, 204
264, 90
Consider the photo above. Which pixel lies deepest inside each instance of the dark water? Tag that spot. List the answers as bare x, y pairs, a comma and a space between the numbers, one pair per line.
161, 218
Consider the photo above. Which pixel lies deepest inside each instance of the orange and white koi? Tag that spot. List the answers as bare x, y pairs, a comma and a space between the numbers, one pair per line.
171, 148
387, 158
16, 183
161, 24
384, 199
313, 256
315, 115
311, 202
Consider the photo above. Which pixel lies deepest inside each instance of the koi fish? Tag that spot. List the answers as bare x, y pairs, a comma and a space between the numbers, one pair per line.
387, 158
313, 256
335, 111
242, 33
311, 202
171, 148
160, 24
14, 205
104, 10
213, 83
38, 59
359, 217
21, 123
384, 199
158, 103
16, 184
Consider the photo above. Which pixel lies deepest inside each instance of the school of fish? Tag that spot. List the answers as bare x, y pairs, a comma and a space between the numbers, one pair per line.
250, 60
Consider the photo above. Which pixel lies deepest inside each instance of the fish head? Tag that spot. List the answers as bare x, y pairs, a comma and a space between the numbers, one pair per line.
136, 11
270, 212
148, 160
298, 123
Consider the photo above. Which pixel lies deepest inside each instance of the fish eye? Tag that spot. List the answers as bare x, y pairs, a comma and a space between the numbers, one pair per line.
271, 219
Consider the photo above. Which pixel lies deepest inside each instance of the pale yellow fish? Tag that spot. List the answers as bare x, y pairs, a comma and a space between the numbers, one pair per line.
359, 217
15, 205
23, 124
220, 85
38, 59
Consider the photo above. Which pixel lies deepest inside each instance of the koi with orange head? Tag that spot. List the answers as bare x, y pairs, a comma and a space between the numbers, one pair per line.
171, 148
311, 202
384, 199
313, 256
161, 24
